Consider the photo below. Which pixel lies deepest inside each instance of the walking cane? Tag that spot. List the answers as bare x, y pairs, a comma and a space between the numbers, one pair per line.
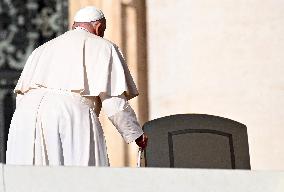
139, 157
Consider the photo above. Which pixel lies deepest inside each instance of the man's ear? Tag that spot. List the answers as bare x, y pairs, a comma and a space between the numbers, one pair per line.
73, 26
97, 28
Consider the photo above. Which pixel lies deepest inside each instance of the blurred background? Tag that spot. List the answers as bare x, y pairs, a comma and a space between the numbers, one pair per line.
222, 57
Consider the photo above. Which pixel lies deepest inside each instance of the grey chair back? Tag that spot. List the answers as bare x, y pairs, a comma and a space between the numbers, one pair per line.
196, 141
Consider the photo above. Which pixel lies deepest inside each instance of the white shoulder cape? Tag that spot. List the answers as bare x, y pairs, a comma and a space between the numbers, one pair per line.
78, 61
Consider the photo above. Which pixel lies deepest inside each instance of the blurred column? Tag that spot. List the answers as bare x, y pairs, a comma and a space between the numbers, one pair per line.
126, 27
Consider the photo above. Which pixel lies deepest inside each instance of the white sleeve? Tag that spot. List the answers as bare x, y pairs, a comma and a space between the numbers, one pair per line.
122, 116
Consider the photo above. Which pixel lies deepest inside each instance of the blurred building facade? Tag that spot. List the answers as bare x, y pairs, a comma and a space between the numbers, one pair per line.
221, 58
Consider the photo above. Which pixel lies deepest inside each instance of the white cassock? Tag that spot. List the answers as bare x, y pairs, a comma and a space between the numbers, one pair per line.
62, 88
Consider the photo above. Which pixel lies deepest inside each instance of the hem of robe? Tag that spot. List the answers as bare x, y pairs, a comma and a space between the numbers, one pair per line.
80, 91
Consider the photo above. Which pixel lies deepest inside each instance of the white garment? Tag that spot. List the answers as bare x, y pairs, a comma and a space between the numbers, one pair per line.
59, 96
81, 62
113, 104
122, 116
53, 127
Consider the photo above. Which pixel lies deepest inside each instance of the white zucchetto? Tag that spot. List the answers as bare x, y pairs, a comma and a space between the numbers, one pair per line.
88, 14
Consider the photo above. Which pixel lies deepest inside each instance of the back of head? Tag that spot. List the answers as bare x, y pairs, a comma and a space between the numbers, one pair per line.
91, 19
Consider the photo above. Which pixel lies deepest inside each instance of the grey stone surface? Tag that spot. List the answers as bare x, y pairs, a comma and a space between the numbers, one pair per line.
197, 141
90, 179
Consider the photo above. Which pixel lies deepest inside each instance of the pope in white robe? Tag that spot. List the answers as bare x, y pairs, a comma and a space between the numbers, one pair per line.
60, 92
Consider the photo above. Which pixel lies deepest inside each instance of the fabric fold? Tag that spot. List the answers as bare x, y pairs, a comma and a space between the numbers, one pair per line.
53, 127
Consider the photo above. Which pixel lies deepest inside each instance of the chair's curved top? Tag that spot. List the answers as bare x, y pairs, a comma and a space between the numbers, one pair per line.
201, 121
194, 115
